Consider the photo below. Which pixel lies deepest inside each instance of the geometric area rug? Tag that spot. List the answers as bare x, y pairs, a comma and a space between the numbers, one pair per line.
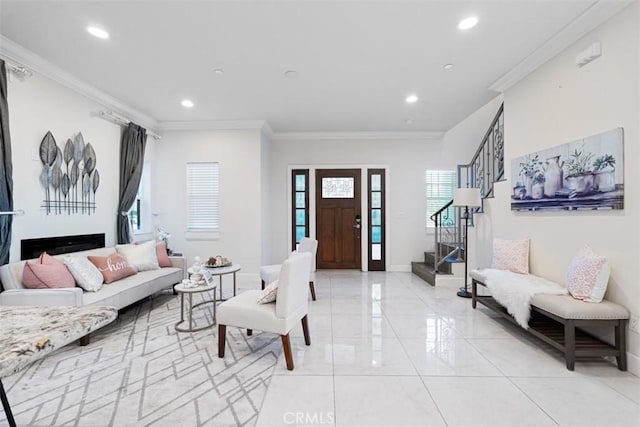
138, 371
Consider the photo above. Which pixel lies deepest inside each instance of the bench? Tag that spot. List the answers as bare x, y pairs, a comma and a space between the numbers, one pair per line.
555, 319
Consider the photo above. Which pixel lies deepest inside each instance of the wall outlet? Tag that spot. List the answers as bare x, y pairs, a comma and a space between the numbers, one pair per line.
634, 324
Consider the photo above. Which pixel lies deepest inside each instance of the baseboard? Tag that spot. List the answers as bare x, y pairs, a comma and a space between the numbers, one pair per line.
633, 364
399, 268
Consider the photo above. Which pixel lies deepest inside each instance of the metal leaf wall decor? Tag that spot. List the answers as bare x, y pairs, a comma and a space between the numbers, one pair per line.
69, 176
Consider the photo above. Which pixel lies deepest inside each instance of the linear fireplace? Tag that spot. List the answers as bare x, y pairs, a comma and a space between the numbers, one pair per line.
32, 248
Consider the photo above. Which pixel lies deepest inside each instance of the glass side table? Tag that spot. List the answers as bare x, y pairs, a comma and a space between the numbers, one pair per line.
182, 291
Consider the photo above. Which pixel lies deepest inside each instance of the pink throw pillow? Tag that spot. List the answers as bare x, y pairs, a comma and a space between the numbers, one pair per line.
588, 276
49, 274
512, 255
161, 254
113, 267
47, 259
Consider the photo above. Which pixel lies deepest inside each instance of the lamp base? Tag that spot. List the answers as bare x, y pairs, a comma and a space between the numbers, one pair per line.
464, 293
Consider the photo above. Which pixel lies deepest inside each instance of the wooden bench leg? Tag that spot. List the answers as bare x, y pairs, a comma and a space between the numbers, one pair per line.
263, 284
474, 293
570, 344
249, 332
621, 344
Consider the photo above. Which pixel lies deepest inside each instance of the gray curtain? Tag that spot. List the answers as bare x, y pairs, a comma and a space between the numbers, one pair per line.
132, 146
6, 170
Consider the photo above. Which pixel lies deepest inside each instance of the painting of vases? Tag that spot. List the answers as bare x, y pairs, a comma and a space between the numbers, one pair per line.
583, 174
69, 176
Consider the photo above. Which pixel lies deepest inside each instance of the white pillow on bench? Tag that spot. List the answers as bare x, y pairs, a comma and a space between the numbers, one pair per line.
587, 276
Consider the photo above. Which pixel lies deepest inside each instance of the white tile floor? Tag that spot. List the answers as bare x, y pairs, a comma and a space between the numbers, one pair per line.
387, 349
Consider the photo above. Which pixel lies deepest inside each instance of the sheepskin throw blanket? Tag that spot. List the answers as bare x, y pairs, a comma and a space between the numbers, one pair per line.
515, 291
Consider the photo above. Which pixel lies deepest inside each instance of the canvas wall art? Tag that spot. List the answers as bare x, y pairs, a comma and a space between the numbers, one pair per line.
69, 176
583, 174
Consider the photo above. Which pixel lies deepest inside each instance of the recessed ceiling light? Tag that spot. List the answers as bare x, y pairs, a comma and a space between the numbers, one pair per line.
187, 103
467, 23
219, 71
447, 66
98, 32
411, 99
291, 74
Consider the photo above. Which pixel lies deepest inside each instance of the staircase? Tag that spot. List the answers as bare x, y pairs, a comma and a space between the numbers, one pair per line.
486, 168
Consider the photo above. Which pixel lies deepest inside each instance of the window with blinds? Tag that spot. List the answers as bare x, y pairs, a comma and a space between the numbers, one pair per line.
440, 186
203, 196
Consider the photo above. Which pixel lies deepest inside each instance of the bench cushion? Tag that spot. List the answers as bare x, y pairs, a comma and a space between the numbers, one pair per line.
568, 307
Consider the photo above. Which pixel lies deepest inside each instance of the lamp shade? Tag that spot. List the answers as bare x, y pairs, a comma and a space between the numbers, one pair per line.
469, 197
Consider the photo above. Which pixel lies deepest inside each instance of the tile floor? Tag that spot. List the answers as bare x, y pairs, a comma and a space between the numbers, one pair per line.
390, 350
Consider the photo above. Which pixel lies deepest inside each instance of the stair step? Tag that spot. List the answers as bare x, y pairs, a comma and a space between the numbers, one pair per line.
426, 272
445, 268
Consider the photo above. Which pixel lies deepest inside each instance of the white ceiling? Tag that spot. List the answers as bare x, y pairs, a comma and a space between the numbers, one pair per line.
356, 60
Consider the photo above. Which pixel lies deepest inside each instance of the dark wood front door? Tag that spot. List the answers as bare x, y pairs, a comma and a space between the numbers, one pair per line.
338, 219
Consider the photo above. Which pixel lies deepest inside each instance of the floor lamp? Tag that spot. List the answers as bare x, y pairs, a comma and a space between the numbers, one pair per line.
469, 198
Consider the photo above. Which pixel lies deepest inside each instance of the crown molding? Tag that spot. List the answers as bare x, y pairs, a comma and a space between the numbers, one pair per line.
18, 54
216, 125
346, 136
589, 20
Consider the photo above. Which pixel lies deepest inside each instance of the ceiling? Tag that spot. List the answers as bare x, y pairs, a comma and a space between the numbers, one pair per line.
356, 61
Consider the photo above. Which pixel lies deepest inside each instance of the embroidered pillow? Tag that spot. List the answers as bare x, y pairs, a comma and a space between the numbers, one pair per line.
47, 272
588, 275
113, 267
512, 255
141, 256
269, 293
87, 276
161, 254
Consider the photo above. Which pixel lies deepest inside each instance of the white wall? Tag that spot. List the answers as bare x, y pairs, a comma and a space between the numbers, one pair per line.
560, 103
38, 105
265, 197
239, 155
406, 162
461, 141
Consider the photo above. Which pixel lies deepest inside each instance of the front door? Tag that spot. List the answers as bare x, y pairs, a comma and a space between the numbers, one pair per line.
338, 218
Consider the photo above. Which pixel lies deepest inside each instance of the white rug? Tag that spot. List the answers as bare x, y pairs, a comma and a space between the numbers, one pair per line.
139, 371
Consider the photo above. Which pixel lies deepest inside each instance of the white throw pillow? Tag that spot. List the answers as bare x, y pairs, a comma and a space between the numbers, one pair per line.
512, 255
87, 275
142, 257
269, 293
588, 276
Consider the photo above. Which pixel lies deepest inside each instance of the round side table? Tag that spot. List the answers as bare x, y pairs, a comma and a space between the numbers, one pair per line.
181, 290
221, 271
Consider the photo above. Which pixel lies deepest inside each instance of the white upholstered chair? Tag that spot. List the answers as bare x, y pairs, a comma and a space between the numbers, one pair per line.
291, 306
269, 273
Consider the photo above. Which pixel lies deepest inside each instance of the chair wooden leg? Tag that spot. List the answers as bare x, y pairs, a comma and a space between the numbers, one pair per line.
312, 288
85, 340
222, 339
249, 332
305, 330
288, 356
263, 284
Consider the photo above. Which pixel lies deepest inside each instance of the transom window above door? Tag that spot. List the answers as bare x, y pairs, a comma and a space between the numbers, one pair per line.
338, 188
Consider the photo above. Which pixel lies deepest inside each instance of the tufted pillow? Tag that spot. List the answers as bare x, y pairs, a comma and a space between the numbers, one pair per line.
113, 267
86, 274
47, 272
141, 256
587, 276
161, 254
512, 255
269, 293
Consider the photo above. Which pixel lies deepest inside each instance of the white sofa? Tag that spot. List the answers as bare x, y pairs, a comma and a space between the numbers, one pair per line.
118, 294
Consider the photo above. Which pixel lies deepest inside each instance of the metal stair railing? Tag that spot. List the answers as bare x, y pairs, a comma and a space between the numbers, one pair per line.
486, 168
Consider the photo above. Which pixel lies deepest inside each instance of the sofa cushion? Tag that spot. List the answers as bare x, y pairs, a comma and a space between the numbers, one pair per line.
113, 267
86, 274
50, 274
570, 308
161, 254
141, 256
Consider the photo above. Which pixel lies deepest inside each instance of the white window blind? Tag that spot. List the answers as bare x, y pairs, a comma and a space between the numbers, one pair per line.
440, 186
203, 196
